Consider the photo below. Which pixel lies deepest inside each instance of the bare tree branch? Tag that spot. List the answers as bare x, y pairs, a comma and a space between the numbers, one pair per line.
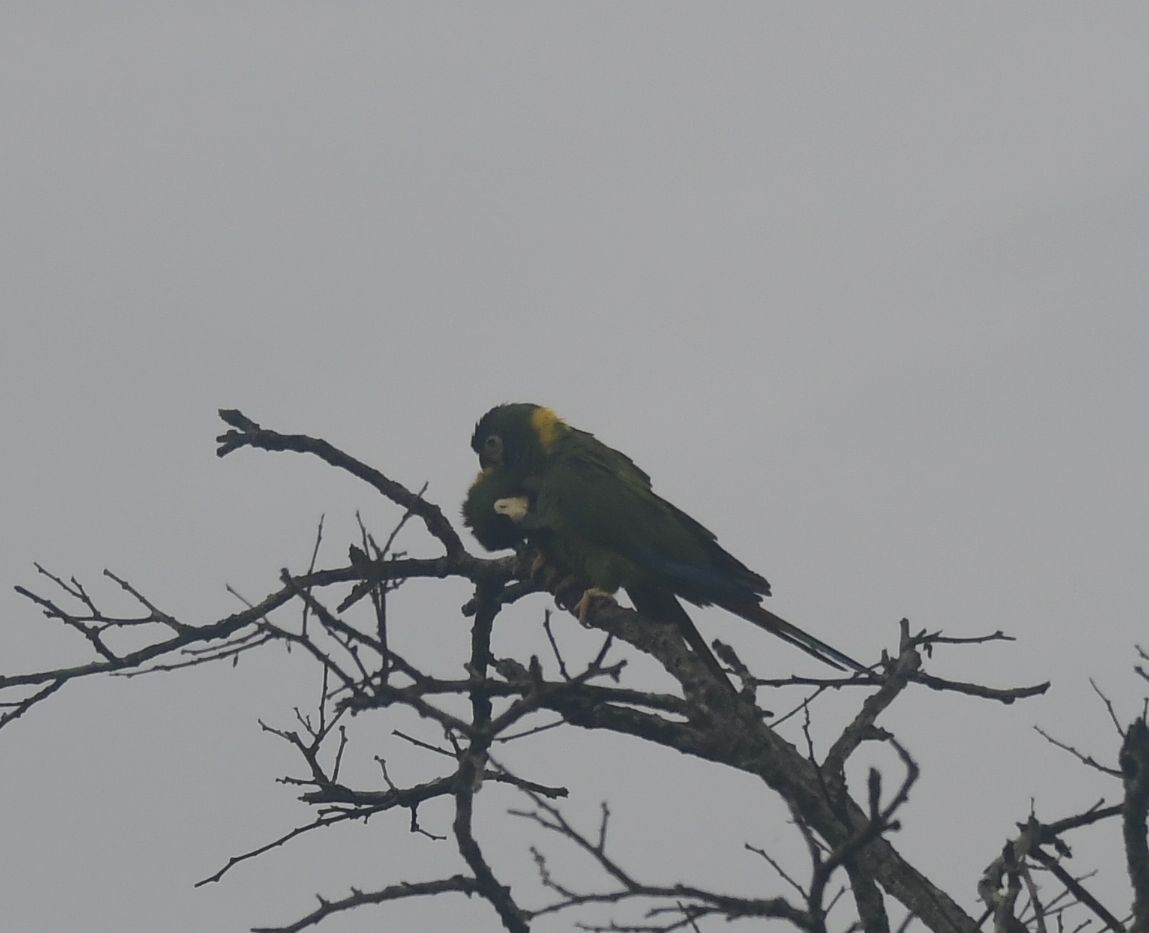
246, 433
513, 699
1135, 767
456, 883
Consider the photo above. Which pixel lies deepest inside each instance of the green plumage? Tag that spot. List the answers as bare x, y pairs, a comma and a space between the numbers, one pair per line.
493, 531
593, 512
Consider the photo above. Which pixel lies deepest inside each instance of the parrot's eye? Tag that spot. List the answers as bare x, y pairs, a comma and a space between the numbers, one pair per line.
492, 452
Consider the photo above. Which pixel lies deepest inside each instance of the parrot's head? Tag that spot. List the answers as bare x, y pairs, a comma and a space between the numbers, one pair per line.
494, 507
518, 436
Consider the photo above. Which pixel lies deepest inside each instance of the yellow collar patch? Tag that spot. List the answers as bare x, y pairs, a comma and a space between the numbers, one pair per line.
546, 425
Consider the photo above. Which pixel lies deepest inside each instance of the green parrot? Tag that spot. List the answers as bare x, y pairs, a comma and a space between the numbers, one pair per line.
593, 512
495, 529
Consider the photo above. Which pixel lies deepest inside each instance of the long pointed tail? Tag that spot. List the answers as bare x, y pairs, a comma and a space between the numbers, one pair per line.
664, 607
776, 625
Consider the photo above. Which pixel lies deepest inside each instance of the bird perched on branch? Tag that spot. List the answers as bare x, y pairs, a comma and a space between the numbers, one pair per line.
592, 512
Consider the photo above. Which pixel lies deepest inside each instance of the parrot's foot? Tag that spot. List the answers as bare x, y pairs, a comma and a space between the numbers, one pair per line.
588, 597
569, 590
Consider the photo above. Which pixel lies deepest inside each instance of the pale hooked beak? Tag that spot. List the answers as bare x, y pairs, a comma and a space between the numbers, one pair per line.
514, 507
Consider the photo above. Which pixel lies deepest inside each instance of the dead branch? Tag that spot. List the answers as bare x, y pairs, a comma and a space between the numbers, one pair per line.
500, 700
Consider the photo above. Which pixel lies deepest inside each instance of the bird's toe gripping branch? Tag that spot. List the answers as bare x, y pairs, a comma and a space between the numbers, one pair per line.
589, 596
567, 588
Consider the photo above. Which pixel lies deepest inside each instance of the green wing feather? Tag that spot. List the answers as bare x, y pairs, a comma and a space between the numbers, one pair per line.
597, 501
603, 519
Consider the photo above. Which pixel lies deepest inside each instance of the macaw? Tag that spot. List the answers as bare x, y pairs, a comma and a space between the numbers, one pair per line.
593, 512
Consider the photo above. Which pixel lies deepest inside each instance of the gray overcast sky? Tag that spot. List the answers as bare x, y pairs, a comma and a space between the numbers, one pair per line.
863, 287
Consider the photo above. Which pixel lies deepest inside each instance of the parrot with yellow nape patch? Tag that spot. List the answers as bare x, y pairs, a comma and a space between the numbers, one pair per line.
593, 512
